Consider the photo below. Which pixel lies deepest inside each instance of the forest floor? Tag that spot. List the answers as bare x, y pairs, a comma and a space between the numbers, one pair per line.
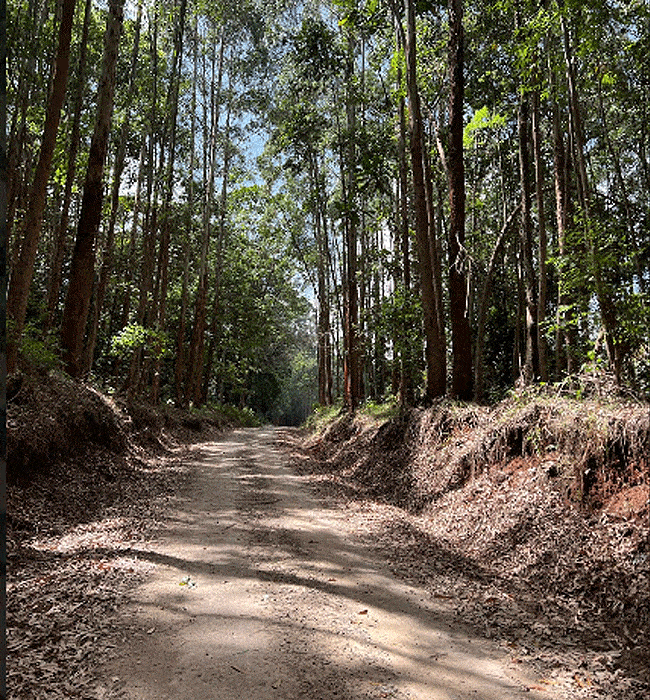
170, 559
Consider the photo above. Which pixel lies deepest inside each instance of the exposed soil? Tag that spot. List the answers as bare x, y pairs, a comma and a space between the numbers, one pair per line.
263, 590
377, 560
488, 509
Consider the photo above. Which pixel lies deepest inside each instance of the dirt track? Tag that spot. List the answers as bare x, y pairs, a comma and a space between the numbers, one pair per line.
263, 591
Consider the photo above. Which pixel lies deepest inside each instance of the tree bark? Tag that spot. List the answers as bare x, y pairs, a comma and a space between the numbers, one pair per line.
195, 364
352, 365
61, 236
180, 367
530, 370
461, 339
118, 169
21, 275
82, 270
434, 349
605, 299
542, 241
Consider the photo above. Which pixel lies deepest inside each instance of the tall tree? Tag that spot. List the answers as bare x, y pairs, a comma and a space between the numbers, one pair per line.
77, 304
458, 298
21, 274
435, 351
61, 236
118, 169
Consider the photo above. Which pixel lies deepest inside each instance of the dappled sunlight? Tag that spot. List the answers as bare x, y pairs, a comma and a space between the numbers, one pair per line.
261, 592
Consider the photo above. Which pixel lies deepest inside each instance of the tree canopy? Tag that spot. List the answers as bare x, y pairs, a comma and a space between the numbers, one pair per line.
281, 203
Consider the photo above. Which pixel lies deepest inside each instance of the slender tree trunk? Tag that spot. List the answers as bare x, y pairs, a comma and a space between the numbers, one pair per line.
61, 236
21, 274
77, 304
531, 361
180, 368
605, 299
221, 235
195, 366
461, 338
172, 116
565, 334
406, 373
434, 350
118, 169
542, 243
352, 369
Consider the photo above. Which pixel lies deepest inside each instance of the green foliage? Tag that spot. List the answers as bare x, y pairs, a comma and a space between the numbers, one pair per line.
243, 417
322, 416
135, 337
383, 410
37, 354
481, 120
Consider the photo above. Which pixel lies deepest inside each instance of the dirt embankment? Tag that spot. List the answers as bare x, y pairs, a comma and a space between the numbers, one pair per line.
88, 477
533, 517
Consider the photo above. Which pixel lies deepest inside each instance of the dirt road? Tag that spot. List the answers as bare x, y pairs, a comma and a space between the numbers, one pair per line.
263, 592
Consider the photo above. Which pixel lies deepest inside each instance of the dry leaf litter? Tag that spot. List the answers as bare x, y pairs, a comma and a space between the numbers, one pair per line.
530, 519
89, 481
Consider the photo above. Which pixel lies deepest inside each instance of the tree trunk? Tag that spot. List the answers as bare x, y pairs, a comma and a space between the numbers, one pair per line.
542, 242
435, 349
180, 367
21, 275
82, 271
195, 365
61, 236
221, 234
605, 299
402, 244
351, 365
531, 361
461, 339
172, 116
149, 224
118, 168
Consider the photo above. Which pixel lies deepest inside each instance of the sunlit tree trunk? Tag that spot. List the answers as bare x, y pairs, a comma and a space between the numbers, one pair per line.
21, 274
434, 348
352, 364
542, 242
195, 365
605, 299
530, 369
61, 236
75, 313
149, 219
219, 253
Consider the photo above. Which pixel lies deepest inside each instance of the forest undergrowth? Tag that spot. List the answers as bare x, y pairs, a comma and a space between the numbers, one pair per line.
89, 480
531, 518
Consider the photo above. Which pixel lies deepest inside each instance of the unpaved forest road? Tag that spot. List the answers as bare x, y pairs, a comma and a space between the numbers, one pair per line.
283, 602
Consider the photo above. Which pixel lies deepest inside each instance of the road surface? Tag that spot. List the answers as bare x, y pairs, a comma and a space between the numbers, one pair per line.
263, 591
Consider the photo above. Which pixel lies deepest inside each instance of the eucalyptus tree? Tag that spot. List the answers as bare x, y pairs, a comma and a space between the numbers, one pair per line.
21, 274
304, 118
61, 235
82, 271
